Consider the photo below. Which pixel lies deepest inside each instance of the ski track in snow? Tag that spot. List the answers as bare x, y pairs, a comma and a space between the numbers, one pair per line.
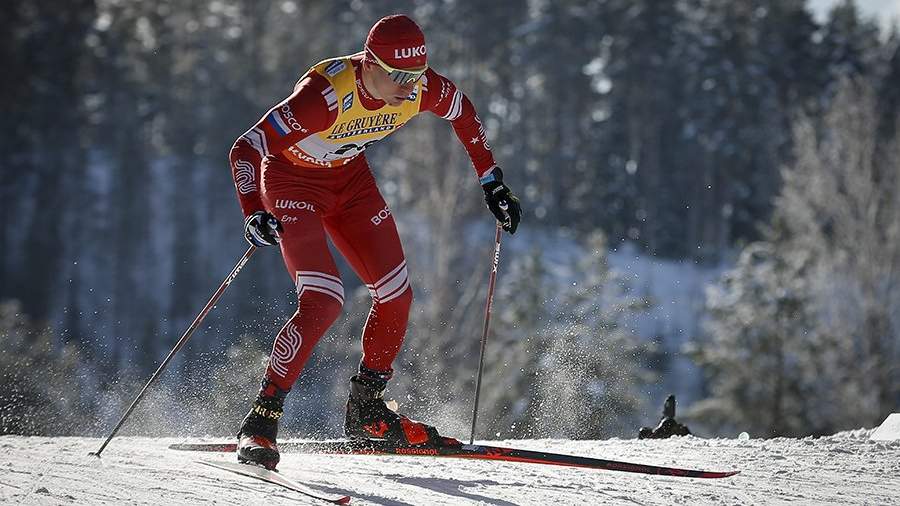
845, 469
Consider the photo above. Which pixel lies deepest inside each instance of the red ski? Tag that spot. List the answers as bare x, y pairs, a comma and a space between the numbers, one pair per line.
454, 449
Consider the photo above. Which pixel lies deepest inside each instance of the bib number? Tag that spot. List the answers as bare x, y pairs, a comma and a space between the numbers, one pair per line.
353, 149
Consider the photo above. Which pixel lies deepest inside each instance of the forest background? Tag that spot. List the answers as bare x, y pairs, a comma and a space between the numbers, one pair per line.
711, 206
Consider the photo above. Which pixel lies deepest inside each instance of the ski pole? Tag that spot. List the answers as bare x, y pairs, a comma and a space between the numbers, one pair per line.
487, 323
187, 335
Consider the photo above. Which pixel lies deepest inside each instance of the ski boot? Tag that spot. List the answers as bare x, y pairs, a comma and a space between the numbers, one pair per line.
368, 417
259, 429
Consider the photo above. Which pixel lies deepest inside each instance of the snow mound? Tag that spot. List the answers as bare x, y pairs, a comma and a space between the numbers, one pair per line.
889, 430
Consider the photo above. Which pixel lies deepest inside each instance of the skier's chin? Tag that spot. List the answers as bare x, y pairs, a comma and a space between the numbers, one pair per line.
395, 101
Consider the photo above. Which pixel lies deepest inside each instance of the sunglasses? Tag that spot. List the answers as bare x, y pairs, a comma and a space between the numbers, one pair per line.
399, 76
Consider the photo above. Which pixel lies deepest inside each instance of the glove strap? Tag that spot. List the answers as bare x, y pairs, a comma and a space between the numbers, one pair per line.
494, 174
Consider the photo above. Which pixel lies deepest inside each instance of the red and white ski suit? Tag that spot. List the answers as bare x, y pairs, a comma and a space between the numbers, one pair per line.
303, 162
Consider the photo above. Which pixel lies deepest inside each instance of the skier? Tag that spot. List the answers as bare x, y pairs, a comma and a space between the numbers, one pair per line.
301, 174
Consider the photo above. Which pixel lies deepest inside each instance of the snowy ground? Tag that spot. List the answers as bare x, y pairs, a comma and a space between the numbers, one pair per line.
846, 468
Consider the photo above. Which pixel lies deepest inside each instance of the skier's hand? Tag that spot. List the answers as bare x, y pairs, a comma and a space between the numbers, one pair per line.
262, 229
501, 201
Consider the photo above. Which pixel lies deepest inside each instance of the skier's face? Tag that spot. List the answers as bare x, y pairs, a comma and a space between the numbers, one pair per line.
384, 87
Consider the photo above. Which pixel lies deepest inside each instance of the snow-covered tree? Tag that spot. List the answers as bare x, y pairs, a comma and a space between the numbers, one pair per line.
593, 372
840, 203
560, 360
759, 357
803, 335
44, 388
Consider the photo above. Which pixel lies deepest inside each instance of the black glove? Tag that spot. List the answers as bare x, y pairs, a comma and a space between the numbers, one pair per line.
501, 201
262, 229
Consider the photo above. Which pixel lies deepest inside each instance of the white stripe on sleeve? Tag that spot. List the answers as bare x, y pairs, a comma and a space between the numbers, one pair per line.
455, 107
257, 139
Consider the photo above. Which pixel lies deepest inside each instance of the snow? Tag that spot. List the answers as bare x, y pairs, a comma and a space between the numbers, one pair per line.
889, 430
846, 468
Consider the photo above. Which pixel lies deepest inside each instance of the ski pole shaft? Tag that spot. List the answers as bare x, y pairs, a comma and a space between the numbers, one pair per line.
487, 324
181, 342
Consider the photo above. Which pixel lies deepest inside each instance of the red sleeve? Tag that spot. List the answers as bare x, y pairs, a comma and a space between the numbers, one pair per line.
444, 99
300, 115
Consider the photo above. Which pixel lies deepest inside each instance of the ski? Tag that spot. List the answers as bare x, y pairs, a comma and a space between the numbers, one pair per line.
277, 479
455, 449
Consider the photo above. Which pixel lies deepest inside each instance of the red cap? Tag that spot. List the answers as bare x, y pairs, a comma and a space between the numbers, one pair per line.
398, 41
